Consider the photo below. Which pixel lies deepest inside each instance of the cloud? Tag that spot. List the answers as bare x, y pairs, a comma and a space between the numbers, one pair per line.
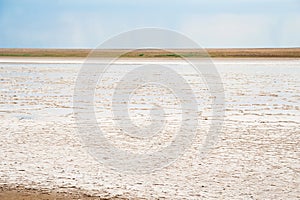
290, 31
215, 23
231, 30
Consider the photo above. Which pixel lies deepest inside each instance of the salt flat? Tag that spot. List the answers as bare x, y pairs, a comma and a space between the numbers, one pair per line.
256, 155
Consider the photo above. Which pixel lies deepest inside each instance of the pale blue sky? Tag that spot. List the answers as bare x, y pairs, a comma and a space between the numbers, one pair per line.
211, 23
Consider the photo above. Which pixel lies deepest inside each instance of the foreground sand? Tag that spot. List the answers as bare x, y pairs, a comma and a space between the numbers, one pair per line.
21, 193
256, 157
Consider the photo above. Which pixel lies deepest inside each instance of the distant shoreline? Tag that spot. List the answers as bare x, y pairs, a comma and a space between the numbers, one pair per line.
154, 53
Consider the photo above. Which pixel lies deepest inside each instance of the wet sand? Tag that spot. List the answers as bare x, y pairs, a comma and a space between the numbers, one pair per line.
256, 157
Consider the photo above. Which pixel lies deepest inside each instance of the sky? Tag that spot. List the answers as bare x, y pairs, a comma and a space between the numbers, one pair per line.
88, 23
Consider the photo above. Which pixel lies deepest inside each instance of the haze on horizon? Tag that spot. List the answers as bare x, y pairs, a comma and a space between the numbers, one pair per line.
86, 24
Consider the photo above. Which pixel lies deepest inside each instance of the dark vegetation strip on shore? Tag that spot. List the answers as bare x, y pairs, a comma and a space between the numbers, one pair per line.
154, 53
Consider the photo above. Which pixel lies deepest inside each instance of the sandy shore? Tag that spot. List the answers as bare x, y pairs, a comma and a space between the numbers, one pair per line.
154, 53
256, 157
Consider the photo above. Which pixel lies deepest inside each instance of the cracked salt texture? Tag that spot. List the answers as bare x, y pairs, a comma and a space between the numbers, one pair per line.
257, 154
